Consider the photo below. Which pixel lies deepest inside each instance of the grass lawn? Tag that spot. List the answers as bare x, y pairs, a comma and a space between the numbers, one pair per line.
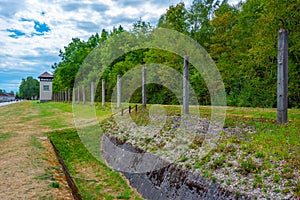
94, 179
272, 151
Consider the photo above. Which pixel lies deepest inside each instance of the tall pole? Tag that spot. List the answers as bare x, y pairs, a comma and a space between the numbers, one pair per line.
144, 87
83, 94
118, 91
73, 95
78, 93
186, 86
69, 95
92, 93
282, 88
66, 96
103, 92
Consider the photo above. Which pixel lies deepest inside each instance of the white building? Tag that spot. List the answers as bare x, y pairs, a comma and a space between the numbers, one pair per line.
45, 87
4, 97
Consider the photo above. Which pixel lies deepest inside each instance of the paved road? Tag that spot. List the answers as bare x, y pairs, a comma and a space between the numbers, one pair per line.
7, 103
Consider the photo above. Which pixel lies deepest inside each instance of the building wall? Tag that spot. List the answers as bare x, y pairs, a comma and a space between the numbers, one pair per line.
45, 95
6, 98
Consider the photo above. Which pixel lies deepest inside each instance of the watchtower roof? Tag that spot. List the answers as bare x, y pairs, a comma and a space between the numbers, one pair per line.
46, 75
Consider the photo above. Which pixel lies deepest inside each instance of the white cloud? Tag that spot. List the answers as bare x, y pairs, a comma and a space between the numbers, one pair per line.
31, 54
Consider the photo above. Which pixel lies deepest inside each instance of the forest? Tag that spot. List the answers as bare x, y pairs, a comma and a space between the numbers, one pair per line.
241, 39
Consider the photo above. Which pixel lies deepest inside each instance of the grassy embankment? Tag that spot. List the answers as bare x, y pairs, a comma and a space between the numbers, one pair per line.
268, 155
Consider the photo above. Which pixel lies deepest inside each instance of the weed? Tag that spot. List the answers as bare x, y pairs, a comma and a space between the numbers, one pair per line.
228, 182
196, 166
288, 173
276, 178
188, 165
229, 164
267, 174
125, 195
207, 174
249, 166
229, 148
258, 182
54, 184
297, 189
259, 155
285, 190
218, 162
99, 187
109, 197
183, 159
214, 179
276, 190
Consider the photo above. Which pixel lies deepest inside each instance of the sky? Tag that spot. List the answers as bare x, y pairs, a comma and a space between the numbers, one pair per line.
33, 31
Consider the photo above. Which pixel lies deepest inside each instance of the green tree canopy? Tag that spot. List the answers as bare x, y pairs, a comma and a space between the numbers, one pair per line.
29, 88
241, 39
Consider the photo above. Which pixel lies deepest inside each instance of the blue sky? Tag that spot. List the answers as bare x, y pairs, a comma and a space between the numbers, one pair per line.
33, 31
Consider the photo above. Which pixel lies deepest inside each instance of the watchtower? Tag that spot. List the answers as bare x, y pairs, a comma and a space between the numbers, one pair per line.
45, 87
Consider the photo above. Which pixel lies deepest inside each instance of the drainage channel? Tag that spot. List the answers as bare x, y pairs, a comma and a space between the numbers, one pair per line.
167, 181
68, 176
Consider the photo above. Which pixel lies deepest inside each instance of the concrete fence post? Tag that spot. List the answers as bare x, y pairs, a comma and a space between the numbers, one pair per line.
282, 87
78, 93
103, 92
92, 93
69, 97
83, 94
186, 86
144, 103
66, 96
118, 91
74, 95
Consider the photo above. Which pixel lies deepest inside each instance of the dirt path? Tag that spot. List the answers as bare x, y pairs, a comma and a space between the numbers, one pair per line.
27, 163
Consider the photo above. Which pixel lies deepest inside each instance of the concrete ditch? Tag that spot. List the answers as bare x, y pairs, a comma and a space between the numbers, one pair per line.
165, 182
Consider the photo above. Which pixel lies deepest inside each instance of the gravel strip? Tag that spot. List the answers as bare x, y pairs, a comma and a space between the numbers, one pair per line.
189, 143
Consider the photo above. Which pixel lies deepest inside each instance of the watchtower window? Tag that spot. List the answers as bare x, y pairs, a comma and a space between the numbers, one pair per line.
46, 88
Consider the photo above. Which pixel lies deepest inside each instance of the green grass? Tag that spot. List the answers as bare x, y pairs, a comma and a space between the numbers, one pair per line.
270, 142
47, 108
36, 142
51, 111
106, 184
6, 136
54, 184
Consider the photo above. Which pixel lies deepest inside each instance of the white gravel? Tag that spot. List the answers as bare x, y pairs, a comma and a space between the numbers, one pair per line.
171, 138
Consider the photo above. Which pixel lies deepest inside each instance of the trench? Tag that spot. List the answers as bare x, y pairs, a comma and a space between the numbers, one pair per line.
156, 179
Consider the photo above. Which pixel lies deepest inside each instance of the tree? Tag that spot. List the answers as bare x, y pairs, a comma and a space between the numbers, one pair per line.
241, 39
175, 18
199, 16
29, 88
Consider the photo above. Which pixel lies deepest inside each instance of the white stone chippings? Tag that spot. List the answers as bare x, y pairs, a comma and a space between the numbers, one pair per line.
170, 142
